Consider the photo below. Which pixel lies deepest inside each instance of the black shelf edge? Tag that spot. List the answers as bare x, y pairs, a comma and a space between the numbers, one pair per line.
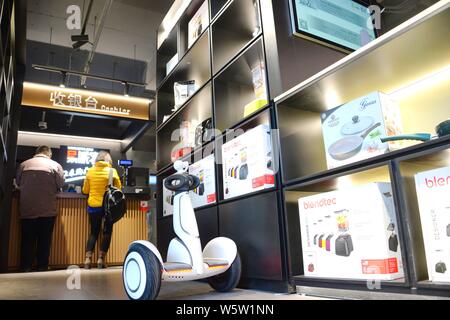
174, 114
239, 54
248, 195
167, 77
220, 12
305, 280
374, 161
427, 284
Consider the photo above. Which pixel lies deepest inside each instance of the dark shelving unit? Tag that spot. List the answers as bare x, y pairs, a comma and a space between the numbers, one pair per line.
388, 65
221, 62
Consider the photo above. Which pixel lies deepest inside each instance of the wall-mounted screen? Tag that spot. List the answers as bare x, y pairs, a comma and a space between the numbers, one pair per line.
76, 161
345, 25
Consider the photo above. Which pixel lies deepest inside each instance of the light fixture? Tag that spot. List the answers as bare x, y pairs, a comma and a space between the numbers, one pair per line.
63, 80
126, 89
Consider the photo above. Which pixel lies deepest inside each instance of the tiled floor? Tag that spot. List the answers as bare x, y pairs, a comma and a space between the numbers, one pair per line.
107, 285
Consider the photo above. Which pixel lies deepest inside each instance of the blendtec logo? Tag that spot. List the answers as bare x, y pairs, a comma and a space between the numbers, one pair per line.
73, 21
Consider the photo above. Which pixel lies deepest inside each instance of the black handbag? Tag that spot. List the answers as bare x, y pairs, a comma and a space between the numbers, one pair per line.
114, 202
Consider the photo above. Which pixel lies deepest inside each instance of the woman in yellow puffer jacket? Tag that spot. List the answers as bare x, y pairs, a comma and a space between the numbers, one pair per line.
95, 186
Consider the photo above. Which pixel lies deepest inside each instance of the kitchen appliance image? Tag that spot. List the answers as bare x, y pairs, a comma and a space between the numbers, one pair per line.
243, 172
203, 132
315, 239
320, 240
328, 242
205, 193
344, 245
200, 190
342, 220
441, 267
311, 267
442, 129
393, 239
351, 132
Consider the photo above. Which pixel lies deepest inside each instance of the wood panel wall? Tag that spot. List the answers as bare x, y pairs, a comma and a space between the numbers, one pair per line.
71, 232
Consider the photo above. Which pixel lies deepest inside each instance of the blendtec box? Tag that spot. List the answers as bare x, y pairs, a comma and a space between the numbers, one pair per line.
206, 192
352, 131
433, 190
351, 233
247, 162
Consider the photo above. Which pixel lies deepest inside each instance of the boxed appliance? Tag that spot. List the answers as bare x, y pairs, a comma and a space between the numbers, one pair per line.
167, 200
247, 162
186, 137
259, 87
352, 131
171, 64
351, 233
433, 190
205, 193
198, 23
182, 91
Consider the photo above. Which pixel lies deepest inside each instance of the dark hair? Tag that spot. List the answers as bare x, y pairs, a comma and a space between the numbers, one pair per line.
44, 150
104, 156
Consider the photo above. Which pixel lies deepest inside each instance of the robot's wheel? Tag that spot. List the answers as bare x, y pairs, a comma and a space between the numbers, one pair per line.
141, 273
228, 280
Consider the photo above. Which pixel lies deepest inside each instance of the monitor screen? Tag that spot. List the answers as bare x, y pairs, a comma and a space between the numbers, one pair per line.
342, 24
76, 161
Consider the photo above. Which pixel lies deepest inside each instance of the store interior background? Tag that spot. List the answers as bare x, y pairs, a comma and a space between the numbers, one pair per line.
127, 50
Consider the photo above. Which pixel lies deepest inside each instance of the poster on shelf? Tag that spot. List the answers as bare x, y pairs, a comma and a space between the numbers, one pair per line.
206, 192
167, 201
198, 23
353, 131
433, 190
247, 163
351, 233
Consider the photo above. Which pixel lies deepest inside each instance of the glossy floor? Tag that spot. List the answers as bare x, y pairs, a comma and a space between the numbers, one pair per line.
107, 285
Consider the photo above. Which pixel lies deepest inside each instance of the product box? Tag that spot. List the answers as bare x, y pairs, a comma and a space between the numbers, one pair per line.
248, 163
433, 190
167, 201
171, 64
206, 191
182, 91
198, 23
352, 131
259, 87
351, 234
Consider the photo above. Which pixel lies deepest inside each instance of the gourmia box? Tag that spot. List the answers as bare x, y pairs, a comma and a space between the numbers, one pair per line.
247, 162
206, 191
433, 190
352, 131
351, 233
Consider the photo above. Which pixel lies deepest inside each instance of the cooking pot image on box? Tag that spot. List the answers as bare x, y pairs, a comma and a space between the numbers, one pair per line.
350, 145
344, 245
441, 267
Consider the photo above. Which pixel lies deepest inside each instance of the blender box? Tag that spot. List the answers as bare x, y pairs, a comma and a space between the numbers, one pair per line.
206, 192
167, 200
247, 162
433, 190
352, 131
198, 23
351, 234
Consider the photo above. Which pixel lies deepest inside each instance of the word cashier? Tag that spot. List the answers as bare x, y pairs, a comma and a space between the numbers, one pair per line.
118, 110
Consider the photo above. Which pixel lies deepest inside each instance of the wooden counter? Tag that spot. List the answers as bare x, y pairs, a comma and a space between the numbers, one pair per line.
71, 232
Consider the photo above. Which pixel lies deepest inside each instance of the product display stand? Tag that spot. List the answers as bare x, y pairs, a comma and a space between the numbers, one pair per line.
418, 80
227, 65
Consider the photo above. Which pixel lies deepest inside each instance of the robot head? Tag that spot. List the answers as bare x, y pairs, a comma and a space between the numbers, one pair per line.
181, 166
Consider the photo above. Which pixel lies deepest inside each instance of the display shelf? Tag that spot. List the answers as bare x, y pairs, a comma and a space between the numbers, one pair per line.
358, 177
197, 110
233, 30
195, 65
217, 6
390, 286
383, 65
407, 168
165, 53
233, 87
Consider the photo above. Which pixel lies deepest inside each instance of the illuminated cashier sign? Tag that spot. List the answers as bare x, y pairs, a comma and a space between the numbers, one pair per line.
77, 162
77, 100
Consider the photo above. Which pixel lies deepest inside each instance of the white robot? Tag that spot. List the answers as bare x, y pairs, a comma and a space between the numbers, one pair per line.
144, 269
